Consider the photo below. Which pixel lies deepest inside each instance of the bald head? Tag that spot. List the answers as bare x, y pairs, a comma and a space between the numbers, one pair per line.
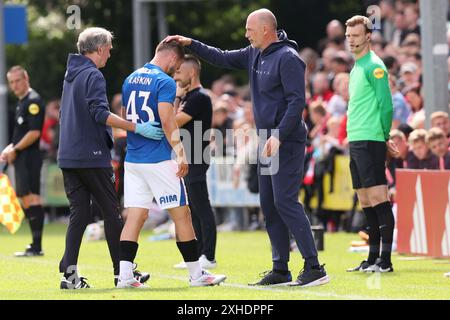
265, 17
261, 28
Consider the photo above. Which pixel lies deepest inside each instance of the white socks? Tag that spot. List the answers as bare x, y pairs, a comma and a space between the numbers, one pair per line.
126, 270
195, 271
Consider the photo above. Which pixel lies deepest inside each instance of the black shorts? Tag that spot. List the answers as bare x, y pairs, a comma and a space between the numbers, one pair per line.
27, 169
367, 163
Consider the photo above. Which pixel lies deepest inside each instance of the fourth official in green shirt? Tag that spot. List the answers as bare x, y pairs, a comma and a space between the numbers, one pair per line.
369, 120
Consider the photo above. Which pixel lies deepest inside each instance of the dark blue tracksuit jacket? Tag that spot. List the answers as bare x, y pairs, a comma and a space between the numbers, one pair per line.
277, 83
85, 139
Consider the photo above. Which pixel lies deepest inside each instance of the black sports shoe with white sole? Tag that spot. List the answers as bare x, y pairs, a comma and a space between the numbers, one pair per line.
272, 277
380, 266
30, 251
361, 267
311, 277
77, 283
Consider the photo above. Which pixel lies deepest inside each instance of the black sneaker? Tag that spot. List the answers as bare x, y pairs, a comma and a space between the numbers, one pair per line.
311, 277
380, 266
361, 267
30, 251
77, 283
142, 277
272, 278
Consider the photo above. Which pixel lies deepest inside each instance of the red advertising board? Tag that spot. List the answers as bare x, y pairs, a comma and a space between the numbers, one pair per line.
423, 213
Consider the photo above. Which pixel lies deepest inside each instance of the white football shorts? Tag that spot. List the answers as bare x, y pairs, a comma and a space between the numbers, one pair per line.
145, 181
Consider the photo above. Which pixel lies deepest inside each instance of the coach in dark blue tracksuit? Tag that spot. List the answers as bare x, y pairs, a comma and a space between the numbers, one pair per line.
277, 83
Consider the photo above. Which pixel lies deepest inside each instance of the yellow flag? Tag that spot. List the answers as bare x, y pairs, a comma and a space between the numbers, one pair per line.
11, 213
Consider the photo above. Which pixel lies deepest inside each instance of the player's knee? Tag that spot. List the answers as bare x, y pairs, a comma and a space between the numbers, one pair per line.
377, 198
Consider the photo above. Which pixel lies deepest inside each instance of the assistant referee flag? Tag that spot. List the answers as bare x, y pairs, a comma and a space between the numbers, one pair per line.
11, 213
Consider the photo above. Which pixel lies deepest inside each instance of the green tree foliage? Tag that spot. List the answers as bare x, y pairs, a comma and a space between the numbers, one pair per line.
219, 23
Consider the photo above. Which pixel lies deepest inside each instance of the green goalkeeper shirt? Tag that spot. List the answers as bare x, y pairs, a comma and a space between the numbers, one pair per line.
369, 115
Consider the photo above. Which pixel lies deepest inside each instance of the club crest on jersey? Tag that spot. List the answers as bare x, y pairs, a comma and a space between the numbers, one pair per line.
378, 73
168, 199
33, 109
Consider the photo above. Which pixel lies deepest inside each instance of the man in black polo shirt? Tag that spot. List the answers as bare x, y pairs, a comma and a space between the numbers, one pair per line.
24, 153
194, 114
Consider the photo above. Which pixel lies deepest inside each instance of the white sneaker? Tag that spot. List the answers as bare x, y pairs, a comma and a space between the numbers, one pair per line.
206, 264
130, 283
207, 279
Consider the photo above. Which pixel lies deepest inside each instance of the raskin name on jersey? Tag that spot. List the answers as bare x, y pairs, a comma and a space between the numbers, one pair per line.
140, 80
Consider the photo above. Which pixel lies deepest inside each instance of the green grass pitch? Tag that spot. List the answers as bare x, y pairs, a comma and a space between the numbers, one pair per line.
240, 255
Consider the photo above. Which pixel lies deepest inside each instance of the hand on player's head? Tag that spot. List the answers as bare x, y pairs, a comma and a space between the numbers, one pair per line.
180, 39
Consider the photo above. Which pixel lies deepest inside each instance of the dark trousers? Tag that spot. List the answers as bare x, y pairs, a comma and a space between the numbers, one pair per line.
202, 218
281, 208
80, 185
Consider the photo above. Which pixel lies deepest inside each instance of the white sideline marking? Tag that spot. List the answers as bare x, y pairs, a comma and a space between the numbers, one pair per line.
294, 290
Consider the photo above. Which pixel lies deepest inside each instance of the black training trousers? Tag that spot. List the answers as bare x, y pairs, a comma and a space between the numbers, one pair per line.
203, 219
80, 184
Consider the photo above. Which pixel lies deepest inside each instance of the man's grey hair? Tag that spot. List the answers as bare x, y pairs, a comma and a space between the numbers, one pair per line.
92, 38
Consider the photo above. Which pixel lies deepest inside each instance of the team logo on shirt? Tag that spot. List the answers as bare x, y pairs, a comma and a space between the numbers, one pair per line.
378, 73
33, 109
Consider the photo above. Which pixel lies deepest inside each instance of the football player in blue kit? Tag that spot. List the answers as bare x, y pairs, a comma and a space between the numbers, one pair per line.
155, 168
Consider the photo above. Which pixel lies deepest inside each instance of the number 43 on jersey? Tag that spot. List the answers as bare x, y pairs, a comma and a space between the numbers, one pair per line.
132, 115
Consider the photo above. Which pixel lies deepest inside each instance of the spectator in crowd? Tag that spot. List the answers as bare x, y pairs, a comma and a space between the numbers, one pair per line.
387, 9
335, 36
311, 59
218, 86
50, 130
437, 141
411, 14
221, 122
339, 63
246, 160
391, 64
420, 156
319, 117
327, 56
231, 97
337, 106
321, 87
408, 75
417, 117
401, 108
400, 28
439, 119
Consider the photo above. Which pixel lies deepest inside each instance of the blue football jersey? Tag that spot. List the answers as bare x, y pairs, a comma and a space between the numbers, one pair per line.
141, 92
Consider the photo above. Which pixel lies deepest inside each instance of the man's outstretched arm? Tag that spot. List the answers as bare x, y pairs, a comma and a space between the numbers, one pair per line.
234, 59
